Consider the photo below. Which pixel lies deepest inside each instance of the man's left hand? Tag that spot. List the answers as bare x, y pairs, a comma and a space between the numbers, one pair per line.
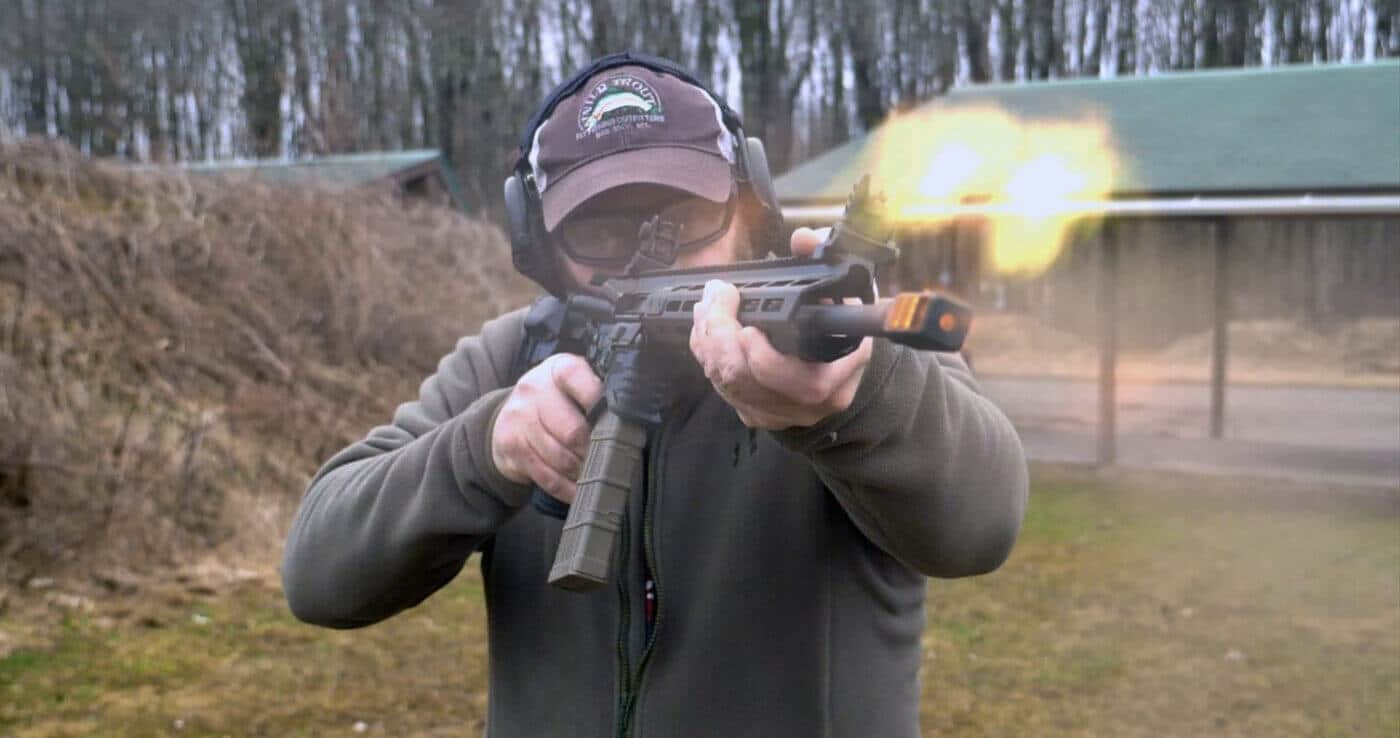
768, 389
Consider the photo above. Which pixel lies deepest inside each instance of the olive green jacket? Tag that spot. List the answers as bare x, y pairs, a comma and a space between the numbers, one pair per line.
790, 567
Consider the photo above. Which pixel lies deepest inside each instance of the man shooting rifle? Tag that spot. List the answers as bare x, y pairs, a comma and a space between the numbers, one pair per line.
768, 576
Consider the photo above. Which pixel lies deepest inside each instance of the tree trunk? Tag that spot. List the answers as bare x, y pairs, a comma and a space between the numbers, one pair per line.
974, 40
601, 17
1006, 41
257, 39
870, 103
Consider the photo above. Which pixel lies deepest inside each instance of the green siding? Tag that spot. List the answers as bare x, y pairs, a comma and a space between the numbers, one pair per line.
1286, 129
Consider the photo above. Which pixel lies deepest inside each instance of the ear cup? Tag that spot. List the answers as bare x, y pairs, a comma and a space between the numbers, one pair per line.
528, 249
768, 232
756, 158
517, 215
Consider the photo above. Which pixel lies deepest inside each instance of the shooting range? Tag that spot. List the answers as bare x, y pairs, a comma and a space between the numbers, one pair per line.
1215, 214
237, 236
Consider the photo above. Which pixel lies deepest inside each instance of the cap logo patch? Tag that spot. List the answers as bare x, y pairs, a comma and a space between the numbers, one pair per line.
618, 103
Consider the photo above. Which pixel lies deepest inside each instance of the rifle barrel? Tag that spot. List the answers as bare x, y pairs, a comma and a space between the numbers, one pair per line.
923, 320
843, 320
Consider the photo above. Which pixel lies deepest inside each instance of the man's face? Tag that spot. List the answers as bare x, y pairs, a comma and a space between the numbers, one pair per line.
641, 201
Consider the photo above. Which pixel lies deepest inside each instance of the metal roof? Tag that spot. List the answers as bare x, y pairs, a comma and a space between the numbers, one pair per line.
1297, 129
339, 170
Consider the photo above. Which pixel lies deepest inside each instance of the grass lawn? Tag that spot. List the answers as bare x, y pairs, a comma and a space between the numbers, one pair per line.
1134, 605
1173, 605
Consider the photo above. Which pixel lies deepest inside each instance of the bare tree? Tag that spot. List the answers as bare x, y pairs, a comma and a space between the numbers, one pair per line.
153, 79
777, 39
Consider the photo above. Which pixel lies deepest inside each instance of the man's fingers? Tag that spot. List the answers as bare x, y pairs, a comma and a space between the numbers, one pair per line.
800, 393
725, 364
805, 385
565, 422
806, 240
720, 293
797, 380
768, 389
781, 394
713, 336
541, 434
749, 397
523, 462
548, 448
576, 379
560, 457
550, 480
718, 310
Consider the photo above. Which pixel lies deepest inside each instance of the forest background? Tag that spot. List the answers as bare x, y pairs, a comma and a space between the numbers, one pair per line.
154, 80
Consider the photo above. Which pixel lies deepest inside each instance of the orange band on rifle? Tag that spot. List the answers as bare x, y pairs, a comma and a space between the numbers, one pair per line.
908, 312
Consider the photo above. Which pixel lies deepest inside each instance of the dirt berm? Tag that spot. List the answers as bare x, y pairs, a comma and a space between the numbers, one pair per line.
177, 354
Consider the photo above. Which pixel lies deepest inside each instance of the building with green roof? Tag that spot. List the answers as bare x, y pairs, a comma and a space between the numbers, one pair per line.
1237, 194
419, 174
1320, 131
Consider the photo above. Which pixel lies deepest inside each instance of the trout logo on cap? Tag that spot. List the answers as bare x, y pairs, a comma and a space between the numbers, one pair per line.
619, 103
630, 125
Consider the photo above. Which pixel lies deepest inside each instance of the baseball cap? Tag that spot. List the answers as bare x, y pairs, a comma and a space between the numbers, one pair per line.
630, 124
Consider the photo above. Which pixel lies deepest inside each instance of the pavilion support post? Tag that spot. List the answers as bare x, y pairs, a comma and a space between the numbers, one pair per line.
1220, 232
1108, 344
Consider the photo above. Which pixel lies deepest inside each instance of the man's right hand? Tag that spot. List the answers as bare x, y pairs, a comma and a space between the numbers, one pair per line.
541, 434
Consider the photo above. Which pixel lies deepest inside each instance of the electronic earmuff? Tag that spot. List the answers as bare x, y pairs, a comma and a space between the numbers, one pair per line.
531, 251
756, 188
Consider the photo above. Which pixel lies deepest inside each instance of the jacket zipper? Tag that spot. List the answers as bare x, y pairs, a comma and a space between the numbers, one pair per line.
651, 485
624, 674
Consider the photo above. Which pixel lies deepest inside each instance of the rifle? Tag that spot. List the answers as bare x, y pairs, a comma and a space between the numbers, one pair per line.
640, 322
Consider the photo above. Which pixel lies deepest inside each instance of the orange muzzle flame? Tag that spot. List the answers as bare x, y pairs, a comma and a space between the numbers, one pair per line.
1031, 181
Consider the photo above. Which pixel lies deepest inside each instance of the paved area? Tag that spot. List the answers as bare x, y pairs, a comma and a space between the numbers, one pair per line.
1335, 434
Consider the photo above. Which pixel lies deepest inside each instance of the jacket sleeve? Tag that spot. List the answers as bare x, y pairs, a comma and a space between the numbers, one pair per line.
392, 518
926, 466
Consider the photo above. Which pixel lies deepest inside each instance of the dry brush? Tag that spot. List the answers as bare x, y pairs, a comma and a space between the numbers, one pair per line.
178, 353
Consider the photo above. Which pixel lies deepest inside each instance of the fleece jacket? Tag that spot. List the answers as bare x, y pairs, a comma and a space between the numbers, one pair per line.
788, 569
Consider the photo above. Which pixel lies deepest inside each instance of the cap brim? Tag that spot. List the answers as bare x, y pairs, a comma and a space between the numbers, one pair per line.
697, 172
